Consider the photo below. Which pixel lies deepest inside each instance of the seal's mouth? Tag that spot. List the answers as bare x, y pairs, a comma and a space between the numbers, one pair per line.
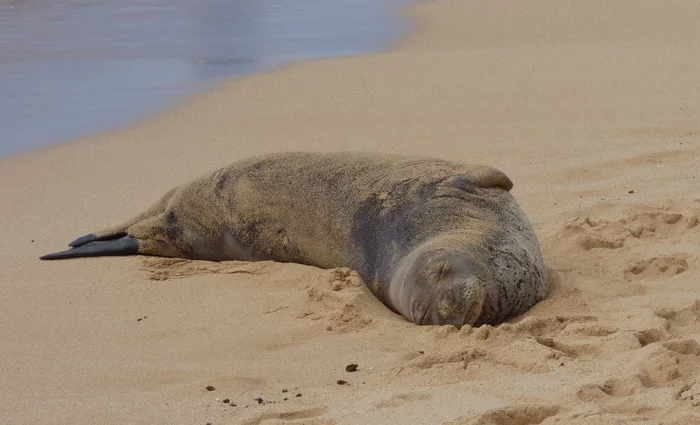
459, 303
456, 320
432, 317
437, 316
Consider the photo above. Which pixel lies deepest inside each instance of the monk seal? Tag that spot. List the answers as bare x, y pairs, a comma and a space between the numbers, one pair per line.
437, 241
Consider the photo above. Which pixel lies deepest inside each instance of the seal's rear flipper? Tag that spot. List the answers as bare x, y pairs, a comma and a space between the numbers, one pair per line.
120, 231
93, 237
123, 246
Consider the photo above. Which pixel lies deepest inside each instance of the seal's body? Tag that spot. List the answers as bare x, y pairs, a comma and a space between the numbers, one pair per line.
439, 242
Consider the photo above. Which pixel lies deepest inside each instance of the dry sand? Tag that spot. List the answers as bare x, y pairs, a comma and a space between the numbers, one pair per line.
590, 107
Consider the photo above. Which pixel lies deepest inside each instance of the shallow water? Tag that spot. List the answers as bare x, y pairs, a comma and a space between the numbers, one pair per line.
72, 68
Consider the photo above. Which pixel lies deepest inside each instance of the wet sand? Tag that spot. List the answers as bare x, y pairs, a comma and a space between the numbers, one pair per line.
591, 108
70, 68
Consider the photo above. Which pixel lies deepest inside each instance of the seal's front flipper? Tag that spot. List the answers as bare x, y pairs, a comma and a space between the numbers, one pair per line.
123, 246
481, 176
93, 237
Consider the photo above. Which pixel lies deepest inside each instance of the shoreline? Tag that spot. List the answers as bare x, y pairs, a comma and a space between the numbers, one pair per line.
213, 42
405, 13
590, 108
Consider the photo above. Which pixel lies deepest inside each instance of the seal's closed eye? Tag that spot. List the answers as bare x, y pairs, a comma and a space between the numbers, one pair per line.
444, 268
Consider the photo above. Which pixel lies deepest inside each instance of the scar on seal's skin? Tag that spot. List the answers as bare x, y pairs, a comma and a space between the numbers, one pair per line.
440, 242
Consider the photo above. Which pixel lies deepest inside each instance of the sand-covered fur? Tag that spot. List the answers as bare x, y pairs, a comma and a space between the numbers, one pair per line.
439, 242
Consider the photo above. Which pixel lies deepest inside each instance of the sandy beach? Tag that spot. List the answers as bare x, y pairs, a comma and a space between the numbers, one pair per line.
591, 108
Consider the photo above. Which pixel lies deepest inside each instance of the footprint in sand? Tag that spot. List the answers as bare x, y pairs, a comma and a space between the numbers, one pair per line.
674, 361
656, 267
293, 417
462, 356
402, 399
689, 392
653, 223
688, 316
652, 335
666, 364
622, 387
511, 415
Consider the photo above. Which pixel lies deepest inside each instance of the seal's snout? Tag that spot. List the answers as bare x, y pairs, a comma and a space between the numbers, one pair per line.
458, 294
438, 287
459, 302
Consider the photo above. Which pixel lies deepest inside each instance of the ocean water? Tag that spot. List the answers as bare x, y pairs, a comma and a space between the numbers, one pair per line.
72, 68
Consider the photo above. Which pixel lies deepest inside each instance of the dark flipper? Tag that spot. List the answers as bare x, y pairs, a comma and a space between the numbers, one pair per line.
92, 238
123, 246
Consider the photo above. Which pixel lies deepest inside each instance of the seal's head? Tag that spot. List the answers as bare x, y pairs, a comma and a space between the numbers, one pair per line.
436, 285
